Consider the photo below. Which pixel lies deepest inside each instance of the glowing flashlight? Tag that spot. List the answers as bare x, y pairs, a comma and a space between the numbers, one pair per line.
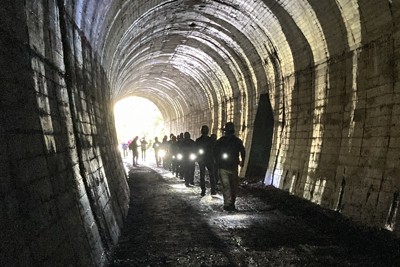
201, 151
162, 153
179, 156
225, 156
192, 156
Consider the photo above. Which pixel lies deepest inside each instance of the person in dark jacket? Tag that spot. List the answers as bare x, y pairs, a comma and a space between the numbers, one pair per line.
226, 152
179, 140
205, 147
188, 159
135, 152
157, 147
215, 167
174, 153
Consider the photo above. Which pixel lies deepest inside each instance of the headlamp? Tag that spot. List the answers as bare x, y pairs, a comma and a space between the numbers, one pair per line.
201, 151
192, 157
179, 156
225, 156
162, 153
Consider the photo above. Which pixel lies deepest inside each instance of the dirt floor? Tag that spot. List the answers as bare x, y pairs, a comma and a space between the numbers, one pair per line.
171, 225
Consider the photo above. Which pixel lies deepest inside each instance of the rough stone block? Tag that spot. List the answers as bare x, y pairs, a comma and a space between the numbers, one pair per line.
48, 242
30, 170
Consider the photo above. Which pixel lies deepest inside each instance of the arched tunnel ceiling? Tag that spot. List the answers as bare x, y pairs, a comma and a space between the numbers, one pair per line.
187, 55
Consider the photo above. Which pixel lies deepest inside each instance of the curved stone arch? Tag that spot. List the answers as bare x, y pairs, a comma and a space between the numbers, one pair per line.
250, 67
349, 11
119, 25
170, 65
232, 64
290, 149
255, 31
310, 27
170, 107
158, 85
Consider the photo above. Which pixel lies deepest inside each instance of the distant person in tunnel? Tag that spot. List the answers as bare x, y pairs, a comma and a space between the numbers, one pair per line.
174, 153
156, 147
165, 152
135, 152
143, 146
205, 147
216, 176
188, 149
179, 140
226, 152
169, 152
125, 147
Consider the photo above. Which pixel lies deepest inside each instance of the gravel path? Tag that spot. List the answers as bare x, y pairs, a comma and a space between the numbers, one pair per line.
171, 225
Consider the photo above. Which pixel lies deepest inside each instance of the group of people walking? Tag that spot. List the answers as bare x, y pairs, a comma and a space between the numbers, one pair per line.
134, 146
220, 158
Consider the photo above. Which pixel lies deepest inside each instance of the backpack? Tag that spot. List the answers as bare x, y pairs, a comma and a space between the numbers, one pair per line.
131, 146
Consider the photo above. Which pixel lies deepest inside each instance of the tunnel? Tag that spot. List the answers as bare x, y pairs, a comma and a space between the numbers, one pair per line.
312, 87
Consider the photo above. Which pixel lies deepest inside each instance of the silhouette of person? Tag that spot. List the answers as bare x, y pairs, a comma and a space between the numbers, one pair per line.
135, 153
205, 147
226, 152
143, 146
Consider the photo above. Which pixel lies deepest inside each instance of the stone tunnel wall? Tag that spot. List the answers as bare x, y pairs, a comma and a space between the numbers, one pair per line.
63, 190
338, 140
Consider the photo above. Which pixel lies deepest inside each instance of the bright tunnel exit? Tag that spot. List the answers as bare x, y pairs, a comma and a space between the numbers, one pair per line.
137, 116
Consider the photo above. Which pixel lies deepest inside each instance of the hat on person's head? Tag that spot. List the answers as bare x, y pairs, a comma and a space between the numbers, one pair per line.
229, 127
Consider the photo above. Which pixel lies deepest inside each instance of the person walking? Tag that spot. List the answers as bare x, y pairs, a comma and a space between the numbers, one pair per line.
135, 153
179, 141
188, 159
156, 147
143, 146
174, 153
165, 153
205, 147
226, 152
125, 147
216, 176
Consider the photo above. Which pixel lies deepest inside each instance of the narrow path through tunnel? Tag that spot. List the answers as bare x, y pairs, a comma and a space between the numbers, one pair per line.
169, 224
311, 87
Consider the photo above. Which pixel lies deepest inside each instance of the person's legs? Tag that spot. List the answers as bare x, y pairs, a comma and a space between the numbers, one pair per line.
202, 168
186, 173
226, 187
234, 182
229, 181
210, 168
191, 172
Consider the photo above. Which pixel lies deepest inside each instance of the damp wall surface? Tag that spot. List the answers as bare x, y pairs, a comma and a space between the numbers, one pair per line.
63, 189
337, 135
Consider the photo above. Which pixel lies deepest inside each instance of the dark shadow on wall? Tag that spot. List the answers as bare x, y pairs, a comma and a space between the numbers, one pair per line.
262, 141
299, 112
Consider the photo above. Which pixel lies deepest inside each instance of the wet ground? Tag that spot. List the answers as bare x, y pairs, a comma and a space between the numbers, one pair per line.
171, 225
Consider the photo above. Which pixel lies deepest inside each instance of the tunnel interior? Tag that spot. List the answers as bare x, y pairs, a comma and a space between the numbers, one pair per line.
326, 73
